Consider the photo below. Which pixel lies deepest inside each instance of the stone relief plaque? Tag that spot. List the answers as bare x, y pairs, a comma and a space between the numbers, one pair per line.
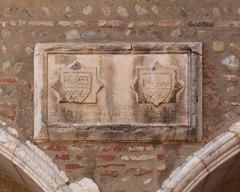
117, 91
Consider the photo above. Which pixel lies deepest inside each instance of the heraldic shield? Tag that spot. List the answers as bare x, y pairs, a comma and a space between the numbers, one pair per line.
156, 86
76, 86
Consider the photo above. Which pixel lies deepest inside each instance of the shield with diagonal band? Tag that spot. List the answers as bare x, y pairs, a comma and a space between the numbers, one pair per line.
76, 85
156, 85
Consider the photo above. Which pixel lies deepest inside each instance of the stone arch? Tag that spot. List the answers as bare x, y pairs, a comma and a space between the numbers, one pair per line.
29, 166
207, 167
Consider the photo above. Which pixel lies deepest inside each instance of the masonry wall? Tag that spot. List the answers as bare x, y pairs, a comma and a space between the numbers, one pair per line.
120, 167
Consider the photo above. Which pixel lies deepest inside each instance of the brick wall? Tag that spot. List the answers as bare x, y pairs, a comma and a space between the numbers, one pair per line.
120, 166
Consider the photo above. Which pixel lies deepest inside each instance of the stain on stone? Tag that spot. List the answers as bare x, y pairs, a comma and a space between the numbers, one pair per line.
76, 66
201, 23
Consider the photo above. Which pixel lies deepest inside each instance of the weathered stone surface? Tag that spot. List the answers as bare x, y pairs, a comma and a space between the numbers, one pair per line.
29, 160
183, 12
201, 23
109, 23
5, 66
71, 35
18, 67
235, 46
6, 33
216, 11
28, 50
155, 9
68, 12
127, 32
122, 12
46, 11
106, 10
87, 185
231, 62
176, 32
31, 167
89, 34
231, 78
198, 169
141, 10
227, 10
218, 46
87, 10
114, 92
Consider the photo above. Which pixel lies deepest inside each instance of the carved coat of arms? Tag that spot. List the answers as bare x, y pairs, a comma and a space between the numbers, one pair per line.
157, 84
78, 84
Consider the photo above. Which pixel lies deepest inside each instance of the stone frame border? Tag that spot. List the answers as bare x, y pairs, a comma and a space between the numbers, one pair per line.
110, 133
202, 163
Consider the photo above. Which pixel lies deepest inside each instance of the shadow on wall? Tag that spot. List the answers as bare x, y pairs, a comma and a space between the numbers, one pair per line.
215, 166
206, 170
30, 167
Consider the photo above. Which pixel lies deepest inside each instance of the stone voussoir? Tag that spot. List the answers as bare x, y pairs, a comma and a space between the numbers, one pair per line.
204, 161
33, 162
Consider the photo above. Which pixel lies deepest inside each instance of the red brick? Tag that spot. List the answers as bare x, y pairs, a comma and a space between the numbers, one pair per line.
119, 148
109, 173
8, 110
12, 113
106, 157
73, 166
57, 147
9, 80
62, 157
79, 157
161, 157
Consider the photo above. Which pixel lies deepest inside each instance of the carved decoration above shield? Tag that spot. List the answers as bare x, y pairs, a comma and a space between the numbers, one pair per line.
157, 84
78, 84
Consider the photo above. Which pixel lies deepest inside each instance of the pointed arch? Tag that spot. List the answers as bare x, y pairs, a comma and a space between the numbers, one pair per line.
199, 168
29, 166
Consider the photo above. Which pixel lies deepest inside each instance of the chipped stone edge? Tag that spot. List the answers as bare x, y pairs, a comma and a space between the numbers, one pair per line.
39, 167
201, 163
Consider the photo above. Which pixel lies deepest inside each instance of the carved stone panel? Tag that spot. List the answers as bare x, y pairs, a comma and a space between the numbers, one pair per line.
118, 91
